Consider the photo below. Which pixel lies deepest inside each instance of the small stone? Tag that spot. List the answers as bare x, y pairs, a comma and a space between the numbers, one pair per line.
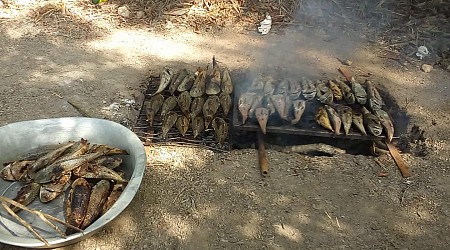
124, 12
348, 62
140, 14
426, 68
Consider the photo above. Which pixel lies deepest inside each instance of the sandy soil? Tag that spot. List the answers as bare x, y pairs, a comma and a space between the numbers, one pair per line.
207, 200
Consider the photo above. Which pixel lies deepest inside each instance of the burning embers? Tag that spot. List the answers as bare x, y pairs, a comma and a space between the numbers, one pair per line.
335, 105
193, 103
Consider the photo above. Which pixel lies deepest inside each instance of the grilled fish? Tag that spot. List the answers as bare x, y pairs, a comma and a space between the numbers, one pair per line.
347, 93
322, 119
169, 104
48, 158
221, 129
110, 162
182, 124
262, 115
210, 109
295, 89
226, 84
346, 114
268, 104
75, 151
165, 76
196, 107
373, 97
283, 87
184, 102
359, 92
169, 120
373, 124
97, 199
257, 102
181, 75
358, 121
308, 89
337, 93
186, 83
257, 84
76, 203
244, 104
386, 121
26, 195
153, 106
113, 197
50, 191
279, 102
19, 169
299, 109
269, 86
107, 150
198, 88
213, 85
225, 102
324, 94
57, 169
198, 125
90, 171
335, 119
6, 174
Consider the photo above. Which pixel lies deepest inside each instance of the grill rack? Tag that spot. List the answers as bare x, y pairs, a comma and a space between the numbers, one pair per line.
149, 135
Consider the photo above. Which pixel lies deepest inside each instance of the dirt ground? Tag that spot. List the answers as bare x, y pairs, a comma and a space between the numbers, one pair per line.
210, 200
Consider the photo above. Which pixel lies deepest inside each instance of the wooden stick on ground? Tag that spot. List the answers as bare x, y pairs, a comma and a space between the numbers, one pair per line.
262, 155
398, 160
344, 71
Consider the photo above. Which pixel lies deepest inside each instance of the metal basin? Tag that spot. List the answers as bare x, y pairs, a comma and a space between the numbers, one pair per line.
23, 137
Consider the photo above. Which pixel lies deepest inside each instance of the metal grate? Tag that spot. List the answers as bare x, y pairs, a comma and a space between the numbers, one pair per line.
153, 134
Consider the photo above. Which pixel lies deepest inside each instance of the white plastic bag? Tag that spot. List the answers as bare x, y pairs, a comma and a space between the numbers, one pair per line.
265, 25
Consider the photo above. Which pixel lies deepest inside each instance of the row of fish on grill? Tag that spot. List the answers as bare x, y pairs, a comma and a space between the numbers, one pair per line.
86, 171
342, 104
199, 96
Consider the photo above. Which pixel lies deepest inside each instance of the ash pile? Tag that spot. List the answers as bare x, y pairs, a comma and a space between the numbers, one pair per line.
327, 108
187, 106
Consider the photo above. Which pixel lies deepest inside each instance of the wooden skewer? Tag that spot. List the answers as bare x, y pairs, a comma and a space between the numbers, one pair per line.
398, 160
262, 155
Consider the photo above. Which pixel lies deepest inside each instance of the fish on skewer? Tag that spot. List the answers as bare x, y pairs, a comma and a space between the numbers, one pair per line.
257, 102
210, 109
308, 89
262, 116
347, 93
169, 120
335, 119
184, 102
295, 89
196, 107
226, 85
346, 114
153, 106
244, 104
198, 88
257, 84
182, 124
322, 118
169, 104
373, 97
299, 109
337, 93
180, 76
186, 83
358, 121
324, 94
372, 122
283, 87
279, 102
198, 125
269, 86
213, 85
359, 92
165, 79
225, 102
386, 121
220, 127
